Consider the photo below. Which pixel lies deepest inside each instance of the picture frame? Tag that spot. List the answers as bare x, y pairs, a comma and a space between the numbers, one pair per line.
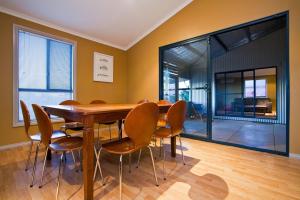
103, 67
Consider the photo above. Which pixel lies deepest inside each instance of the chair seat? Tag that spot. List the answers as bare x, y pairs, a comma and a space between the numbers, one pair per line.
123, 146
56, 134
67, 144
164, 132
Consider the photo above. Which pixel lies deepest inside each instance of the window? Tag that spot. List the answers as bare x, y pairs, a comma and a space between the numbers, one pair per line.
261, 88
43, 70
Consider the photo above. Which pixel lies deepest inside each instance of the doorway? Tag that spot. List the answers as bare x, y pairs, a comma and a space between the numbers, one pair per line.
235, 83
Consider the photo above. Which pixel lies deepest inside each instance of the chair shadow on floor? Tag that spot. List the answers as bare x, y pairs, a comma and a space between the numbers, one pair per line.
140, 182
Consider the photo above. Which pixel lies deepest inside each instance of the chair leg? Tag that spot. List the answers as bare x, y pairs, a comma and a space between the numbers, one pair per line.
58, 177
182, 156
44, 164
139, 158
129, 162
74, 160
153, 165
164, 157
98, 165
29, 155
160, 147
120, 176
34, 164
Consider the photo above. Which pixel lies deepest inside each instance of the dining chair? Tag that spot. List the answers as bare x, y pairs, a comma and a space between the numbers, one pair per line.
143, 101
162, 122
106, 123
35, 138
175, 120
62, 145
69, 124
139, 126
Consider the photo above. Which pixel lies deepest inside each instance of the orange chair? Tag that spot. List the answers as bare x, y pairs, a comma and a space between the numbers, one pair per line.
62, 145
143, 101
71, 125
175, 120
107, 123
139, 126
35, 138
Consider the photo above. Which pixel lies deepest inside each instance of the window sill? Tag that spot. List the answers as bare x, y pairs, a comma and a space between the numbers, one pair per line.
33, 123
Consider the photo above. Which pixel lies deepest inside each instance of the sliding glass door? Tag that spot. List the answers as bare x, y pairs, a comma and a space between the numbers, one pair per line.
184, 71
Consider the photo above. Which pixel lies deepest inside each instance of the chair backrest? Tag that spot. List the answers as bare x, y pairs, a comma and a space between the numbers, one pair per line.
44, 124
163, 102
26, 117
97, 102
143, 101
140, 123
176, 116
69, 102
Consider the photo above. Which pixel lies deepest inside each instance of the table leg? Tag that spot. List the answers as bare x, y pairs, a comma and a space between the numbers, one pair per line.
88, 157
173, 146
120, 122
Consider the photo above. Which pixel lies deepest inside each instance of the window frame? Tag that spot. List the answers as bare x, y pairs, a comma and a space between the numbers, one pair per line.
16, 29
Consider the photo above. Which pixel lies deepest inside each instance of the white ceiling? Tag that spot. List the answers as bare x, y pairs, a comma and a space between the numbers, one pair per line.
118, 23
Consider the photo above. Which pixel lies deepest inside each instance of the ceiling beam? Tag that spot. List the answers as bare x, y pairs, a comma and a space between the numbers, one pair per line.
218, 39
248, 33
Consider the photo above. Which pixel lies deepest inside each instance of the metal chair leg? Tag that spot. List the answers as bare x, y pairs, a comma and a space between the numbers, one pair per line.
182, 156
139, 158
98, 165
153, 165
45, 158
164, 157
160, 147
29, 155
58, 177
120, 176
34, 164
129, 162
74, 160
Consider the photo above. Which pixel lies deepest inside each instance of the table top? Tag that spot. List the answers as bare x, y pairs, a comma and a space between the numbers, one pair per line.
96, 108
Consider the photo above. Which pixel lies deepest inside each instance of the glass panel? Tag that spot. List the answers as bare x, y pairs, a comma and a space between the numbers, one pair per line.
234, 83
234, 104
41, 98
266, 91
32, 61
185, 78
60, 65
248, 94
220, 105
220, 83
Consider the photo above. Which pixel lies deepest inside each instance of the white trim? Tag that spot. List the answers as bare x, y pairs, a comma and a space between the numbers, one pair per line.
50, 25
15, 145
294, 155
160, 22
98, 40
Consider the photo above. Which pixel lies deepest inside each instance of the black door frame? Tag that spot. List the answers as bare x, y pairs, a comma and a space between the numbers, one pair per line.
209, 80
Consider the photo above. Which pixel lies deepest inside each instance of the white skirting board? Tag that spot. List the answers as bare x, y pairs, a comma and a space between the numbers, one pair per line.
293, 155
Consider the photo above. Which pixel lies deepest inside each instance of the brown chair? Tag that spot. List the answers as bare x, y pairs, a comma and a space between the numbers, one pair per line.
162, 120
107, 123
175, 120
139, 126
143, 101
71, 125
34, 138
62, 145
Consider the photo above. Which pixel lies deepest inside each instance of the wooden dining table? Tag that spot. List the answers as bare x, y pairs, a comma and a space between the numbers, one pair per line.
88, 115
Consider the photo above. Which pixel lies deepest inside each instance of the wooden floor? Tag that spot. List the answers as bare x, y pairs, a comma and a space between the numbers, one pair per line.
213, 171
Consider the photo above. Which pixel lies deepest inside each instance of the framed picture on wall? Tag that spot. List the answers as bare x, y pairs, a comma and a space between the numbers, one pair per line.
103, 67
